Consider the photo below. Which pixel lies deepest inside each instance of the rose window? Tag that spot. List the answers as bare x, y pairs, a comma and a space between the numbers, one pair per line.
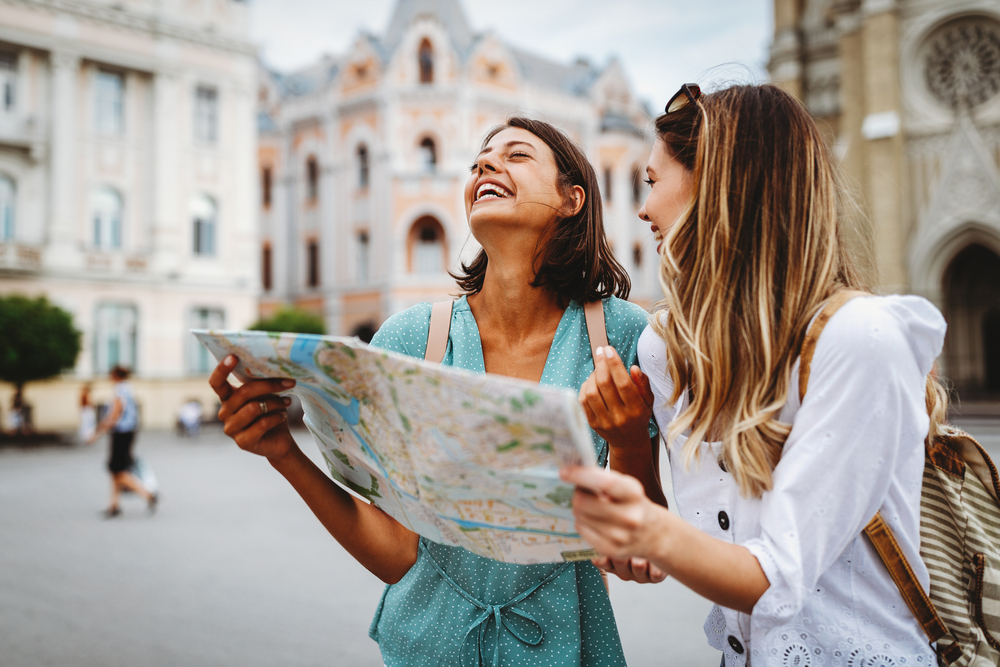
963, 63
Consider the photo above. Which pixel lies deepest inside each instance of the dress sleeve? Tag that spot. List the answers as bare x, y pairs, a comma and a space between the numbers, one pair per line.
405, 332
863, 414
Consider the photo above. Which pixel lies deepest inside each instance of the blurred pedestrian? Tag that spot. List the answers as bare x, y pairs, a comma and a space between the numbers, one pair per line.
122, 422
18, 421
88, 415
189, 418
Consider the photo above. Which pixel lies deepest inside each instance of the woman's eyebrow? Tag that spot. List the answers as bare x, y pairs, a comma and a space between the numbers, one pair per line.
507, 145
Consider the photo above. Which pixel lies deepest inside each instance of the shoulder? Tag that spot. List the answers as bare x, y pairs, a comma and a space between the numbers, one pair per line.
624, 321
406, 331
883, 330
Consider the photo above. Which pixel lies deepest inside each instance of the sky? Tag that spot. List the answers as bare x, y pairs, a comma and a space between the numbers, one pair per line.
660, 43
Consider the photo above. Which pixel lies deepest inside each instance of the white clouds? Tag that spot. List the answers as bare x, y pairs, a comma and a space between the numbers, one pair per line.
660, 43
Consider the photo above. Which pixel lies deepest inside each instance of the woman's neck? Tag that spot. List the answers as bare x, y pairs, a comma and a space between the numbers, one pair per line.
510, 306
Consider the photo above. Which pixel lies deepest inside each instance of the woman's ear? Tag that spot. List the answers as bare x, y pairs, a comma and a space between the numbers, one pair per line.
575, 199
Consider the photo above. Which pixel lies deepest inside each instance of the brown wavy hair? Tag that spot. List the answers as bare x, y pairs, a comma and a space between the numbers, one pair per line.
746, 267
574, 261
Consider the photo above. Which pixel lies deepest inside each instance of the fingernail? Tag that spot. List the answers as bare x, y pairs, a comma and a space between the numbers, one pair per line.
609, 352
229, 360
286, 400
288, 383
599, 351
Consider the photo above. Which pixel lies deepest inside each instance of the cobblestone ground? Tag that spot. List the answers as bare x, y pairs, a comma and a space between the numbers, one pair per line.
232, 570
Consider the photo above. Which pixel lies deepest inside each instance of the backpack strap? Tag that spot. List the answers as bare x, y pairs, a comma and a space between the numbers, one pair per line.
877, 530
437, 336
597, 332
596, 329
831, 306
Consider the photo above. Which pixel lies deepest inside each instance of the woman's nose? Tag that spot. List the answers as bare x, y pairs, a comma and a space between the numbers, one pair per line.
642, 214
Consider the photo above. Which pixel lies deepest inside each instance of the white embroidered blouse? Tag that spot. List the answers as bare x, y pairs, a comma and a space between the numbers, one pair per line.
855, 448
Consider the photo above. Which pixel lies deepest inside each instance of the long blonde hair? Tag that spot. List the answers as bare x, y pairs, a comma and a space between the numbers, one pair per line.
745, 269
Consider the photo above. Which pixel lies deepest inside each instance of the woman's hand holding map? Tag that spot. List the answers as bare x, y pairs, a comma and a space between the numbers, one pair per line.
253, 414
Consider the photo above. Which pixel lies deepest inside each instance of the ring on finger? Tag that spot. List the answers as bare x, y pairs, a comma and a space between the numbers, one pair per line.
263, 406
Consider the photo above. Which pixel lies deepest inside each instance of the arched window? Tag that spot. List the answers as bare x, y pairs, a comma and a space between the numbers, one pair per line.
312, 263
427, 250
636, 185
971, 285
312, 178
265, 267
265, 187
607, 184
8, 205
637, 255
362, 166
426, 58
428, 156
203, 218
115, 336
106, 212
363, 248
365, 331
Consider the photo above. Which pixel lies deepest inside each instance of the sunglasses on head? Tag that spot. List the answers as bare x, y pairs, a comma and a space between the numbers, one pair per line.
688, 94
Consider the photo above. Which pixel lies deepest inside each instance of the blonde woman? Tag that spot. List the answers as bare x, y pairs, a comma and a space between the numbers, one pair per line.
772, 493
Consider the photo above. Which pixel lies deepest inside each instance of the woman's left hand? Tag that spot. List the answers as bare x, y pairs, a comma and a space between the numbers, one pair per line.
638, 570
618, 402
613, 513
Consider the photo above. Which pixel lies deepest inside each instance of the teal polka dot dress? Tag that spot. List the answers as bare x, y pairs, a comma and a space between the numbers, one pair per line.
456, 608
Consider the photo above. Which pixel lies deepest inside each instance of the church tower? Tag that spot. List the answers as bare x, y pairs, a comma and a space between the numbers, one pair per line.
909, 94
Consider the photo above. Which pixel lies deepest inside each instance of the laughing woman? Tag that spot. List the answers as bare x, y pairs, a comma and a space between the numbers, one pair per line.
533, 204
777, 463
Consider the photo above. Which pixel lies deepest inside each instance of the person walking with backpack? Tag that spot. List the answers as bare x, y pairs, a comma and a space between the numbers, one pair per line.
792, 414
122, 421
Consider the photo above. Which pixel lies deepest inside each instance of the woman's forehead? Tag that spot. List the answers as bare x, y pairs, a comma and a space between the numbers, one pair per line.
515, 134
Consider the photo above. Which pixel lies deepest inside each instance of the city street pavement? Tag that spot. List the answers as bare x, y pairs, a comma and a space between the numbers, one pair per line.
232, 569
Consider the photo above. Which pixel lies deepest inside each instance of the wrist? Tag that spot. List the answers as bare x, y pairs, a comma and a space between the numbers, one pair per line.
283, 460
658, 547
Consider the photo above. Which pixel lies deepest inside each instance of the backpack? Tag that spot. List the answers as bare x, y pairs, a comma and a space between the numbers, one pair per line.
959, 537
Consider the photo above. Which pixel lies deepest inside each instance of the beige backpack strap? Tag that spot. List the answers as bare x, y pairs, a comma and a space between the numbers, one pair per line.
909, 587
596, 329
437, 336
831, 306
877, 531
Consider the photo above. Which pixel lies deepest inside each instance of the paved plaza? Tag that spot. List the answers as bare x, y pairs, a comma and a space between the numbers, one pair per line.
232, 570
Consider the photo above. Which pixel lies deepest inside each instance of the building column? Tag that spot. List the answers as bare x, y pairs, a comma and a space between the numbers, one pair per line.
850, 141
786, 49
62, 232
882, 136
169, 207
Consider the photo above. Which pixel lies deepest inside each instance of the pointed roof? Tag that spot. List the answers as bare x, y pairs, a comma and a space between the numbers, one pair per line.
448, 12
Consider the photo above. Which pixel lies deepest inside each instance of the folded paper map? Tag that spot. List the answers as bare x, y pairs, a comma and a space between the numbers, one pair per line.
461, 458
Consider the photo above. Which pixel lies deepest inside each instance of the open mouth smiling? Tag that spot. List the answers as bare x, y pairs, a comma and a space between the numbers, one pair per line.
492, 191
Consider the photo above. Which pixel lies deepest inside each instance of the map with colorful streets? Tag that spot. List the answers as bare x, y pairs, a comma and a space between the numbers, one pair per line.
461, 458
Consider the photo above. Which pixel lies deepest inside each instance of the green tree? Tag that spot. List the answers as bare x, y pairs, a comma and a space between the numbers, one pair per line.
37, 340
292, 320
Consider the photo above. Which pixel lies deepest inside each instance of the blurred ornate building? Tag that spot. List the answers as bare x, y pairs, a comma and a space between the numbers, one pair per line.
909, 91
363, 158
127, 184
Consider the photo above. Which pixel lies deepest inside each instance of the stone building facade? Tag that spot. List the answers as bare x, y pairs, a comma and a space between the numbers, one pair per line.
909, 91
128, 186
363, 158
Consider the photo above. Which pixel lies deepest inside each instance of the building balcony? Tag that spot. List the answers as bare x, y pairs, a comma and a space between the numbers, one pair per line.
24, 132
20, 257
